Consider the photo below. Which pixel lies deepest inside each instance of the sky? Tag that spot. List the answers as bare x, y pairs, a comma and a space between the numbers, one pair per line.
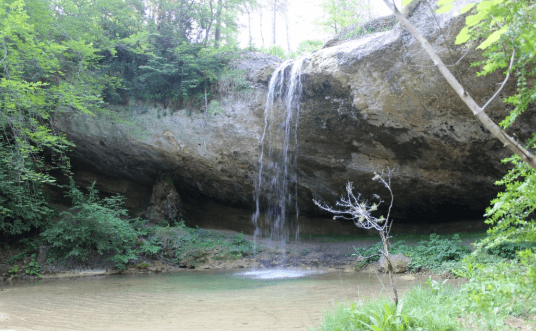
302, 15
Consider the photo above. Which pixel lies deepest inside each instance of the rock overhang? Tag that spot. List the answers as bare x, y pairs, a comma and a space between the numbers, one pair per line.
368, 104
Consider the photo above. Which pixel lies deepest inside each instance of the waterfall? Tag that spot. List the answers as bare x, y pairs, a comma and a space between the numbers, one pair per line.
276, 202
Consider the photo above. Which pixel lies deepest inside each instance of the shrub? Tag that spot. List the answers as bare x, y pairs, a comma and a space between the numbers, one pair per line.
92, 223
22, 202
310, 46
509, 249
430, 254
274, 50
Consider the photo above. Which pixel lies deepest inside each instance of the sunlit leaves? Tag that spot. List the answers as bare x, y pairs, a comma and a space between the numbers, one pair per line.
444, 9
493, 38
467, 8
463, 36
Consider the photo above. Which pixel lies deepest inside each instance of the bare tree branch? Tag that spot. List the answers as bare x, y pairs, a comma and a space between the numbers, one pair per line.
504, 82
360, 211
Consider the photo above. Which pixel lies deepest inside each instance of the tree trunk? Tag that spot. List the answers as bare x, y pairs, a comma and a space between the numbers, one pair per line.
250, 40
260, 22
274, 9
217, 34
478, 111
389, 266
209, 26
288, 32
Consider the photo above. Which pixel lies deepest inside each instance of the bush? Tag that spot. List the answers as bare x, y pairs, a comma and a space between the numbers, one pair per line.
92, 223
22, 202
274, 50
506, 287
509, 249
309, 46
429, 254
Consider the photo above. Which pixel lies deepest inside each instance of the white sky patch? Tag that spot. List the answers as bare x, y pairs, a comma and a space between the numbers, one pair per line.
302, 15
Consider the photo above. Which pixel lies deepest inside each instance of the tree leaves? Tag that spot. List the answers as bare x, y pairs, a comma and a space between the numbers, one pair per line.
467, 8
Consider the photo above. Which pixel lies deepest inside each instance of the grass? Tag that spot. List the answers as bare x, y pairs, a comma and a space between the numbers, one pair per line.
430, 307
420, 309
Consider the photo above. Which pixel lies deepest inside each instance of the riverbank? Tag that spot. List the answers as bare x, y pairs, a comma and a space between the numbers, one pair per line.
215, 249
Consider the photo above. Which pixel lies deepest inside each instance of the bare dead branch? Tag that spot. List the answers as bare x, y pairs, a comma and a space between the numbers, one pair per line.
504, 82
360, 211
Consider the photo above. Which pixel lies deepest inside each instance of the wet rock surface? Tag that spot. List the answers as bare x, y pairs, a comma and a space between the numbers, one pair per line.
368, 104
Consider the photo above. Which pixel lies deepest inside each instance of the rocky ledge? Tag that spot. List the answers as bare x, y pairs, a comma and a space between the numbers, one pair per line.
372, 103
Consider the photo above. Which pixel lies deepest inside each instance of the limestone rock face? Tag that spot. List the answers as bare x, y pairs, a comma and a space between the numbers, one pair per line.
398, 261
367, 104
165, 202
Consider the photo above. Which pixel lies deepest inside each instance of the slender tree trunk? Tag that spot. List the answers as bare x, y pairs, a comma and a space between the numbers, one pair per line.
217, 34
287, 30
250, 39
478, 111
260, 22
209, 26
274, 9
389, 266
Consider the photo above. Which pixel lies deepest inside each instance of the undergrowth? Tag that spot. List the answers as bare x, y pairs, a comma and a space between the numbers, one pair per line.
430, 307
95, 225
195, 245
438, 253
493, 294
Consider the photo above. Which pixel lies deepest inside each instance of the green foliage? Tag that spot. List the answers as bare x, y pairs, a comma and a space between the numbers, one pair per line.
507, 27
502, 287
13, 270
274, 50
434, 252
22, 202
304, 251
44, 69
420, 309
429, 254
509, 249
193, 244
361, 31
92, 224
309, 45
231, 80
17, 257
511, 213
339, 14
33, 268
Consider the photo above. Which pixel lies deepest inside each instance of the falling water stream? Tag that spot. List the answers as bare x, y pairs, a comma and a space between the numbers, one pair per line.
276, 204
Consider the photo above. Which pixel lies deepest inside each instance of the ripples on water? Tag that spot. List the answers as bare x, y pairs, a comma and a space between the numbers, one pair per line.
275, 274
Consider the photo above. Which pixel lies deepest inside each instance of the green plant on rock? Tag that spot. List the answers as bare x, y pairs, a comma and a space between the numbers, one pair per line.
13, 270
33, 268
93, 224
